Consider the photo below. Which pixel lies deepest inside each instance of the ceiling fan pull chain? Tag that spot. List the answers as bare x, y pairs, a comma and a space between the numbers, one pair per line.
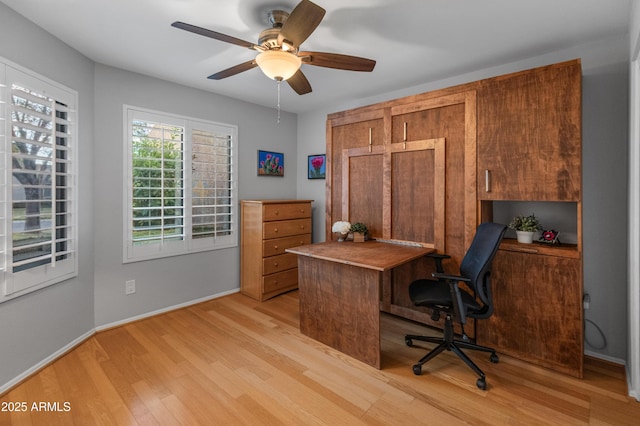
279, 101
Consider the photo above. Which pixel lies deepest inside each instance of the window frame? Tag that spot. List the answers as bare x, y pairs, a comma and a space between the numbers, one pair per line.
136, 253
18, 283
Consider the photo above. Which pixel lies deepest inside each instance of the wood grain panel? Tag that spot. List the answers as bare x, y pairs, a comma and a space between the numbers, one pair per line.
339, 307
362, 188
538, 312
529, 135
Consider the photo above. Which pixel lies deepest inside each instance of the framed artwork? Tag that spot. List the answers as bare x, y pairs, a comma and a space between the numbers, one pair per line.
317, 166
270, 163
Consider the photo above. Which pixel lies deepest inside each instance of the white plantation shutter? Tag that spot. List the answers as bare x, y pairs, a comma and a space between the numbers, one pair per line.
181, 185
37, 189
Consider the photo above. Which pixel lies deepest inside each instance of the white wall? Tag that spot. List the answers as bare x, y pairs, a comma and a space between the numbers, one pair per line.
175, 280
605, 124
633, 360
35, 326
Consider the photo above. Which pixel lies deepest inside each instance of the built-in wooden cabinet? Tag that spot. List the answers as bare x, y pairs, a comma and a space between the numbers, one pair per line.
428, 169
268, 228
538, 315
529, 143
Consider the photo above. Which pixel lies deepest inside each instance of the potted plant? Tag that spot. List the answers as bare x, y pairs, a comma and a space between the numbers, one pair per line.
360, 231
525, 227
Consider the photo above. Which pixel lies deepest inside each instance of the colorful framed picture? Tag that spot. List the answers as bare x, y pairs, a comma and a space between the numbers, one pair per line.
270, 163
317, 166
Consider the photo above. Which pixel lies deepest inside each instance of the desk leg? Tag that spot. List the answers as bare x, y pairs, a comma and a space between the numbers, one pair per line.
340, 307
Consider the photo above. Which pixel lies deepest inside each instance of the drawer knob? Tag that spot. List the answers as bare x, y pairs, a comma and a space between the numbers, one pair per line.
301, 226
277, 212
275, 264
275, 247
275, 229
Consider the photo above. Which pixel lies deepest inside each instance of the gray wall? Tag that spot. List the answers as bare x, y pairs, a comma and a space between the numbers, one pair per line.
605, 124
35, 326
174, 280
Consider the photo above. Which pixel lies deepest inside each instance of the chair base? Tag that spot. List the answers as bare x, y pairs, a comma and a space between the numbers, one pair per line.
449, 343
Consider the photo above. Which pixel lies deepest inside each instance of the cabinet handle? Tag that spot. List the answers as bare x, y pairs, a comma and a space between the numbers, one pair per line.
487, 180
404, 135
370, 137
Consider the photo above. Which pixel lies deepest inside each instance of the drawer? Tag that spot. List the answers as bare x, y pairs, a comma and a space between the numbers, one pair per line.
280, 280
278, 245
285, 228
286, 211
282, 262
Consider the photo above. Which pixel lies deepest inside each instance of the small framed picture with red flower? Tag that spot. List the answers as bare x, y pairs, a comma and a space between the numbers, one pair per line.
549, 236
270, 163
316, 166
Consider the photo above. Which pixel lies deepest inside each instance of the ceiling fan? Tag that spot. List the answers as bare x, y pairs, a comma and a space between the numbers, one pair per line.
280, 57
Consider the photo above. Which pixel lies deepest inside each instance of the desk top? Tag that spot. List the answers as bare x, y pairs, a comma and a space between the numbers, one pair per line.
370, 254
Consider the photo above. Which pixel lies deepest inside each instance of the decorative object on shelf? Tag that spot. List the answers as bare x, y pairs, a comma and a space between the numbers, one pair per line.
316, 166
525, 227
549, 236
360, 232
341, 228
270, 163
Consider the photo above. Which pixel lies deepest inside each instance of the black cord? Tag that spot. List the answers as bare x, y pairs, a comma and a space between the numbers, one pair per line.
604, 339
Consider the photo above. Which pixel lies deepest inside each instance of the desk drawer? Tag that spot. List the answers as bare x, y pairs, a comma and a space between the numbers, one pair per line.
282, 262
285, 211
285, 228
278, 245
280, 280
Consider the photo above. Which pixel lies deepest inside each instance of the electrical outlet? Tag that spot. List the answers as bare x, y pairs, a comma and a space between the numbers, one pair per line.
130, 287
586, 300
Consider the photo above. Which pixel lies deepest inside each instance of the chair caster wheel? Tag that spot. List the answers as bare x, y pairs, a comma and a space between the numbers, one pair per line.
408, 341
481, 384
417, 369
494, 358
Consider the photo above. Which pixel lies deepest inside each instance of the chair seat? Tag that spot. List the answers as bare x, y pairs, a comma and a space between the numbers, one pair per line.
436, 294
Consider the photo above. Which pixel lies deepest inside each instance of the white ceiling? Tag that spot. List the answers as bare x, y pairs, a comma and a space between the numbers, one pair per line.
413, 41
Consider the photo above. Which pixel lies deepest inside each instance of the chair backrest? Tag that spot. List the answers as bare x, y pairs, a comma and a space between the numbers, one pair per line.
476, 264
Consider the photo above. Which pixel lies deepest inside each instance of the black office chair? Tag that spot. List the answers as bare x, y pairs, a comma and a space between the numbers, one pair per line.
444, 295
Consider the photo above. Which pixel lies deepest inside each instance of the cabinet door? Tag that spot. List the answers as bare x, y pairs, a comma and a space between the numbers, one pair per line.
538, 310
529, 136
366, 131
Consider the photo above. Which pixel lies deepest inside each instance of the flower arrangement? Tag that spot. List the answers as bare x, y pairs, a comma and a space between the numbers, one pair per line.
525, 223
341, 227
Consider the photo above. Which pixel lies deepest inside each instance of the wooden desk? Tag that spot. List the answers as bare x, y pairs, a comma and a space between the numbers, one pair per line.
339, 285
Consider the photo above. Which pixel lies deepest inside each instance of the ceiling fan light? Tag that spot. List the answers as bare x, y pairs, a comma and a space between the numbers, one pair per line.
278, 65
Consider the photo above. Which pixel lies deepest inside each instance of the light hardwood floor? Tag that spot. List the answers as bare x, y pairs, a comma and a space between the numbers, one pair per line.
237, 361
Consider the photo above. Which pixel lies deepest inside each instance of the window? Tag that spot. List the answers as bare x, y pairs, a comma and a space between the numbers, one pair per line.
180, 189
37, 183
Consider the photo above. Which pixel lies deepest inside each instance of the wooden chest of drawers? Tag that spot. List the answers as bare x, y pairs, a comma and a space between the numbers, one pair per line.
268, 227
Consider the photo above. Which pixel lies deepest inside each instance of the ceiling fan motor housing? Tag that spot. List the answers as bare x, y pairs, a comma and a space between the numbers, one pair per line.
269, 37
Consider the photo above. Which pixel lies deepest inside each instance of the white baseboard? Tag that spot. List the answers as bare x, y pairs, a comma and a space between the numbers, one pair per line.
164, 310
606, 358
57, 354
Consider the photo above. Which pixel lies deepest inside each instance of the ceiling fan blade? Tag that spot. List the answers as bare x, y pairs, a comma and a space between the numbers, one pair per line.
337, 61
245, 66
302, 21
215, 35
299, 83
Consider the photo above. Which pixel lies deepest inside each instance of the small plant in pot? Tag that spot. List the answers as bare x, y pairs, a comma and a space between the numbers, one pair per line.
525, 227
360, 232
